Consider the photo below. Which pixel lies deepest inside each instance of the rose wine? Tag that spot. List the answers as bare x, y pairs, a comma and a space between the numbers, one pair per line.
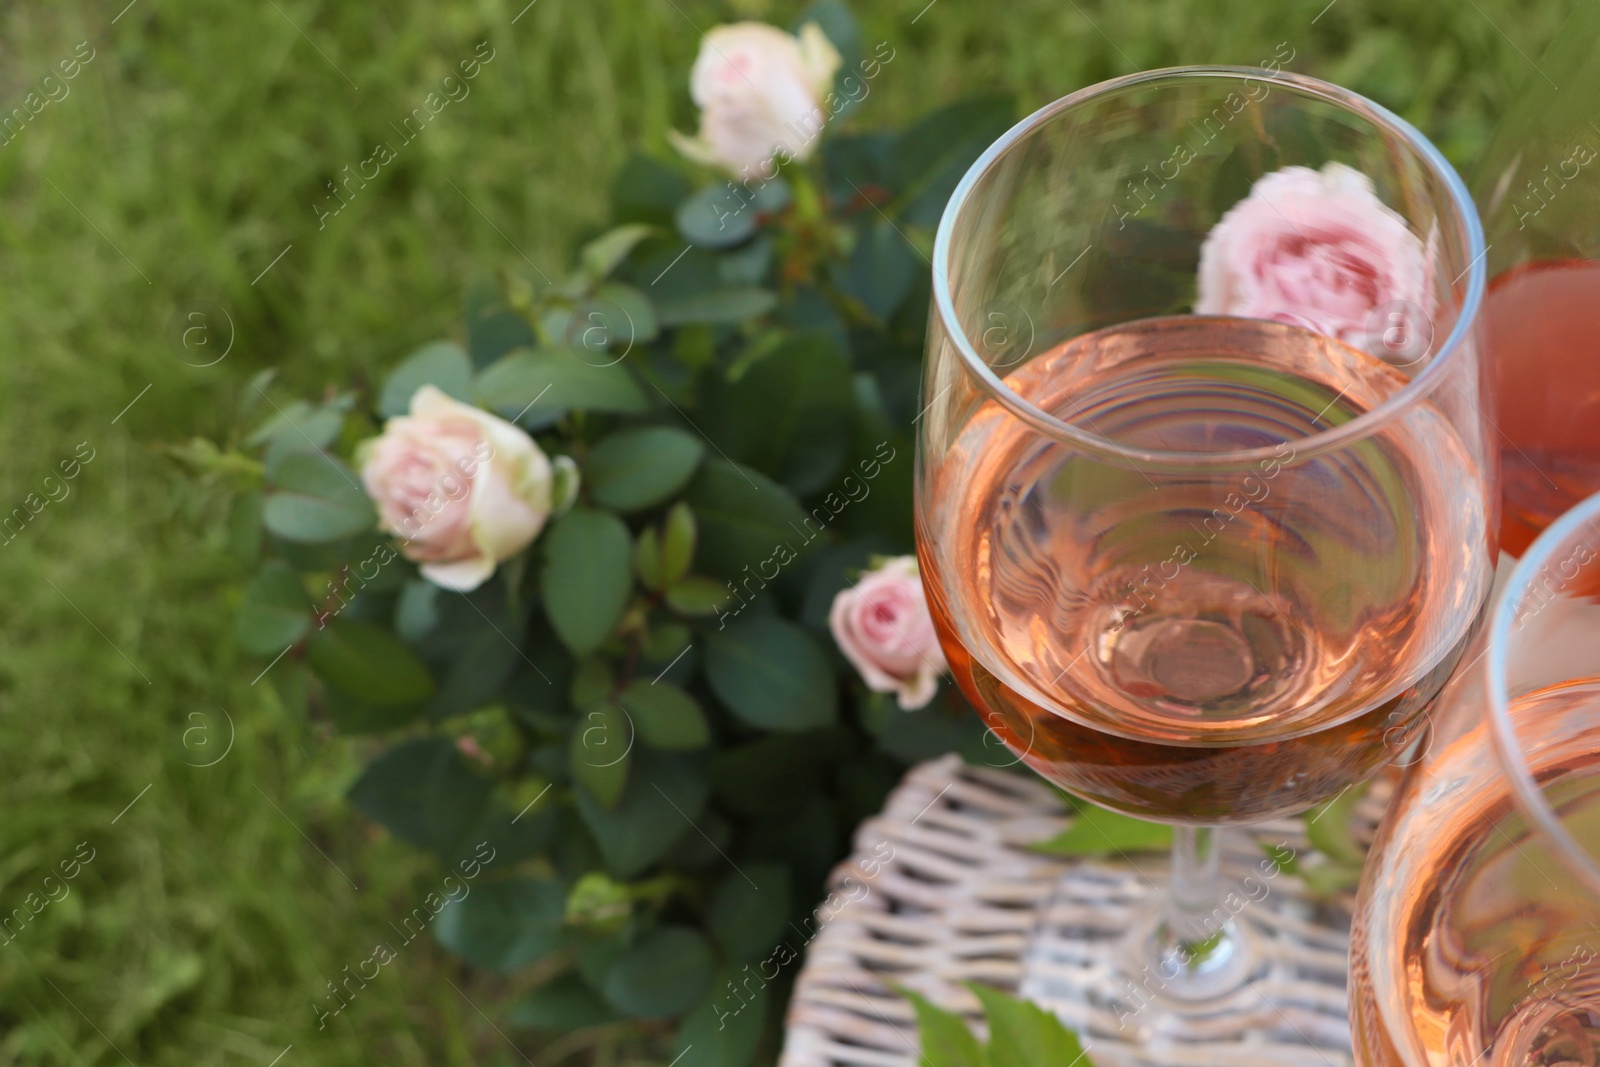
1228, 643
1543, 323
1477, 948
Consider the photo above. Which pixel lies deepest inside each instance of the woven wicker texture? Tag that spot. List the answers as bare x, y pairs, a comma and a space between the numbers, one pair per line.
940, 889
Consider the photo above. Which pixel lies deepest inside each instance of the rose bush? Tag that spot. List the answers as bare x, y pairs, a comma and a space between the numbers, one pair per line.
636, 703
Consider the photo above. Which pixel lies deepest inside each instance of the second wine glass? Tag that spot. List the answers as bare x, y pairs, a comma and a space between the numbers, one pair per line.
1205, 569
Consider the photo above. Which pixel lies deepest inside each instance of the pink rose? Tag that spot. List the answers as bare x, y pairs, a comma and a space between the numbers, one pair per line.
1318, 249
463, 489
760, 91
883, 627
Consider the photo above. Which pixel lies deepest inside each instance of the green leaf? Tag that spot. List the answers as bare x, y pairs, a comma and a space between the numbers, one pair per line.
298, 425
423, 791
637, 468
605, 253
665, 793
626, 317
880, 270
315, 498
504, 925
352, 716
698, 596
1096, 831
275, 613
601, 743
647, 190
932, 155
533, 385
369, 662
1329, 829
772, 674
717, 217
647, 559
743, 517
725, 1030
566, 1004
783, 416
749, 909
677, 543
665, 716
947, 1042
443, 364
586, 577
663, 974
735, 304
1024, 1033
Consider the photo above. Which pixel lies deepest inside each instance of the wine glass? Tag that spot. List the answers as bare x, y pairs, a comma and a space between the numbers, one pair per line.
1198, 569
1476, 938
1539, 188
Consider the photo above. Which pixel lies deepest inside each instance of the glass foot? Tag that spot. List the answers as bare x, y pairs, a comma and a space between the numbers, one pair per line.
1260, 983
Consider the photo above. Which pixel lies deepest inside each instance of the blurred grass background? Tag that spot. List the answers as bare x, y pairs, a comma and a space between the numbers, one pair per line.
189, 153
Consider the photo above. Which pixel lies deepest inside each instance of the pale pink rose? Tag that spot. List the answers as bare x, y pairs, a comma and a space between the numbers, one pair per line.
1316, 249
883, 627
760, 91
463, 489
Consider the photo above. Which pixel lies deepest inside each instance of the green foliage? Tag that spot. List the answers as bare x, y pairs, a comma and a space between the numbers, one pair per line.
1021, 1034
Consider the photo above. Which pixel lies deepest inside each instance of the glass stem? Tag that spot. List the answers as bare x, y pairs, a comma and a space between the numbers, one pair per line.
1196, 883
1199, 951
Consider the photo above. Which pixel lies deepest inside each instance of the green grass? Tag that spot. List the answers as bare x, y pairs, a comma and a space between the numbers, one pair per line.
189, 154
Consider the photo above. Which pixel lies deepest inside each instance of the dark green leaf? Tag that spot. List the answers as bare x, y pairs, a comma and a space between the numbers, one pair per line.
717, 216
881, 268
664, 973
601, 743
1024, 1033
565, 1004
640, 467
665, 794
602, 255
743, 517
586, 577
647, 190
298, 425
698, 596
315, 498
764, 776
275, 613
749, 910
1098, 832
784, 414
443, 364
492, 328
536, 385
504, 925
945, 1039
731, 305
665, 716
424, 792
725, 1030
626, 318
369, 662
932, 154
772, 674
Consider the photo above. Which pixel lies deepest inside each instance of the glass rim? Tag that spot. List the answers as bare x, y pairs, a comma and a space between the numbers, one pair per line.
1508, 750
1358, 428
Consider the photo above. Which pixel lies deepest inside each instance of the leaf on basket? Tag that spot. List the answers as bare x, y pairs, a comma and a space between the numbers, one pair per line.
946, 1041
1098, 832
1021, 1034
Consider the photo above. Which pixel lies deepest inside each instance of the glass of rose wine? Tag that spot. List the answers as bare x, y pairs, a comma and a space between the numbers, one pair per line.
1539, 188
1477, 929
1204, 569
